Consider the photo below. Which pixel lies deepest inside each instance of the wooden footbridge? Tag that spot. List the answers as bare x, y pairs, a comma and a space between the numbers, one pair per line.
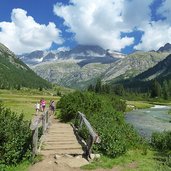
51, 137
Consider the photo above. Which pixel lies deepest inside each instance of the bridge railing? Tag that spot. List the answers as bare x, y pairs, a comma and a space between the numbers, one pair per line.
93, 136
42, 121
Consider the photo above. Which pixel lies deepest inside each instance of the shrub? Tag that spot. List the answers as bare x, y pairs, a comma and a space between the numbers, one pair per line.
72, 103
15, 137
161, 141
116, 135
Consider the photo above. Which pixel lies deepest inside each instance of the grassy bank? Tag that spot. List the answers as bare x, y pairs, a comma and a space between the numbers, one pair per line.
137, 105
132, 160
131, 105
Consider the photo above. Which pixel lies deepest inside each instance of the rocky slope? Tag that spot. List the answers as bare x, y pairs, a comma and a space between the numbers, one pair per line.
70, 74
76, 68
160, 71
132, 65
83, 64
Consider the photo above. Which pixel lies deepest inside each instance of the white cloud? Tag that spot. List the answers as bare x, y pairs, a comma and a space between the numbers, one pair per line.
165, 10
156, 34
23, 34
102, 22
136, 12
96, 22
63, 48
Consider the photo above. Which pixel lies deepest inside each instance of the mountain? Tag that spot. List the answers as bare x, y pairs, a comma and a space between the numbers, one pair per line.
37, 57
83, 64
70, 74
165, 48
87, 50
132, 65
82, 54
160, 71
14, 73
76, 68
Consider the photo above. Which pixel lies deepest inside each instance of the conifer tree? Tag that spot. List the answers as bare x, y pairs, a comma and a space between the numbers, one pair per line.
98, 86
156, 90
165, 90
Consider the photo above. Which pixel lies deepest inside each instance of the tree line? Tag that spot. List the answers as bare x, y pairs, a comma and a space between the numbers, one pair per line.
152, 89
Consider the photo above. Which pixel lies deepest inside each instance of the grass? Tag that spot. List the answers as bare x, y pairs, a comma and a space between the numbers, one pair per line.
20, 167
132, 160
166, 103
137, 105
24, 101
23, 166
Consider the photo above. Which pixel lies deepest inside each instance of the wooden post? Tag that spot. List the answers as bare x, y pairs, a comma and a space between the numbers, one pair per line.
35, 141
89, 146
44, 122
47, 119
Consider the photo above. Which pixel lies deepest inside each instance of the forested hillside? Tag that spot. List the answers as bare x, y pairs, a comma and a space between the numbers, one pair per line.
15, 74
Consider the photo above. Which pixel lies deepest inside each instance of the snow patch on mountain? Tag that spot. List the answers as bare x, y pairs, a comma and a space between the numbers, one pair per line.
81, 54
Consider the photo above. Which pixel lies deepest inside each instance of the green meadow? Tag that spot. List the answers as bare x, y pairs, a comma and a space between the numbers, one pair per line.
23, 101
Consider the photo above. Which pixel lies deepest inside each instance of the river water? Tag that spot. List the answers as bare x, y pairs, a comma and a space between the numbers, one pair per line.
147, 121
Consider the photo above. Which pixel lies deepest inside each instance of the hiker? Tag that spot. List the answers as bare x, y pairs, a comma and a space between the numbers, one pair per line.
52, 106
43, 104
37, 107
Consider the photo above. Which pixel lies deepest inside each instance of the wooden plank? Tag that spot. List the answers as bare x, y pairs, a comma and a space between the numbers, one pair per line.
35, 141
60, 147
53, 152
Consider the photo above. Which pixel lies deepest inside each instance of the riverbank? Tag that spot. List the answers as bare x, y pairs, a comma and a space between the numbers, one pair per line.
135, 159
132, 105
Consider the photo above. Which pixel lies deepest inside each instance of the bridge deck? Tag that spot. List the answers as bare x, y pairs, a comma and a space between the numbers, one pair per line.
60, 139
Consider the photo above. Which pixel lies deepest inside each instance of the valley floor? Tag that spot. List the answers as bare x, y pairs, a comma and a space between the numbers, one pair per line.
24, 101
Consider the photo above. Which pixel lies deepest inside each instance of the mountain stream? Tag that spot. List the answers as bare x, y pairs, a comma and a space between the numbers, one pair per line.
147, 121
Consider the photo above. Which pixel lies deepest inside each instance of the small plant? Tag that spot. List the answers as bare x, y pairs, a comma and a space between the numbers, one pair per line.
161, 141
40, 89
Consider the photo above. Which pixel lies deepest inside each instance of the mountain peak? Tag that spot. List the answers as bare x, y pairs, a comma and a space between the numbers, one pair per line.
165, 48
86, 49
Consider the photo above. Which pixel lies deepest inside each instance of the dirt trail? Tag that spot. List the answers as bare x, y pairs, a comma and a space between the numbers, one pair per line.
63, 164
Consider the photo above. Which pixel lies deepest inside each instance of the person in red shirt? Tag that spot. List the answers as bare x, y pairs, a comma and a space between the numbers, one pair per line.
43, 104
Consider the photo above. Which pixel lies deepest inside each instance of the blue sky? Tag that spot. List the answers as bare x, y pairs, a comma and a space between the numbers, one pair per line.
121, 25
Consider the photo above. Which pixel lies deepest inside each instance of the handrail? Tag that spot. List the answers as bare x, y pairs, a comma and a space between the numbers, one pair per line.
35, 129
94, 135
93, 138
